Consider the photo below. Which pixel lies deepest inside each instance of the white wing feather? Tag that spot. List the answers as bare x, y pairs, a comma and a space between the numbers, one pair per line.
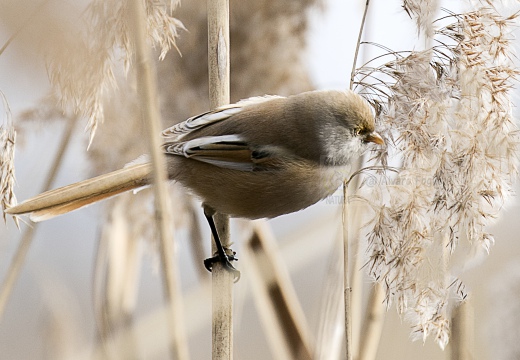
184, 148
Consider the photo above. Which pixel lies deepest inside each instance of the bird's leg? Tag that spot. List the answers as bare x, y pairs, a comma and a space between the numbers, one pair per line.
221, 256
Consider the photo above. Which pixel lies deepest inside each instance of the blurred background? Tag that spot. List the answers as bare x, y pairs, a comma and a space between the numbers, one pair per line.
278, 47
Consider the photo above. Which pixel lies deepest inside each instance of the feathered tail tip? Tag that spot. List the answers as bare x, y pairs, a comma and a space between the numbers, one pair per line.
71, 197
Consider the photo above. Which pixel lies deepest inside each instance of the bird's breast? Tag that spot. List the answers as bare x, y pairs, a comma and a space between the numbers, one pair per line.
258, 194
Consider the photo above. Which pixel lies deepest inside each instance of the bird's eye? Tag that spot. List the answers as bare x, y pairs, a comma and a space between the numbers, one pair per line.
361, 131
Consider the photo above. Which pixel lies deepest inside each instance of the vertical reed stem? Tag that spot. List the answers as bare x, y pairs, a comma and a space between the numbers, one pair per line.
219, 70
346, 280
147, 91
346, 277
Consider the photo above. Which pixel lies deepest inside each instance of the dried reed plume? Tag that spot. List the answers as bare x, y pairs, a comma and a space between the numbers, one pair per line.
84, 69
447, 113
424, 13
7, 173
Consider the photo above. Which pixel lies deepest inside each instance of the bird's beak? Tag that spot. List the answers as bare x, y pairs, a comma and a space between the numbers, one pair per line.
375, 138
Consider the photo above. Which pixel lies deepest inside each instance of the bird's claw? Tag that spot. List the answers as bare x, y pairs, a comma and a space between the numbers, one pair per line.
226, 263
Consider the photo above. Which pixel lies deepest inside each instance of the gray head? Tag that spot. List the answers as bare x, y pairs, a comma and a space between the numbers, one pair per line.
350, 126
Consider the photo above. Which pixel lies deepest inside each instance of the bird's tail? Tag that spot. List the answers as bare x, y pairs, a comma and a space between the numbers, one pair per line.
71, 197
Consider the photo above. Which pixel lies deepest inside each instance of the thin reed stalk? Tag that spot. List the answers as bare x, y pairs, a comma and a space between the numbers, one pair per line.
147, 91
358, 44
219, 90
356, 272
347, 289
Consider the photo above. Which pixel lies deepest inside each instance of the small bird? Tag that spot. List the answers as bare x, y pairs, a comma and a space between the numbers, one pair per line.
259, 158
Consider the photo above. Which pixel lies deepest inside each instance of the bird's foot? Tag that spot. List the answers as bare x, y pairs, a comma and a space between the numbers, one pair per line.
225, 260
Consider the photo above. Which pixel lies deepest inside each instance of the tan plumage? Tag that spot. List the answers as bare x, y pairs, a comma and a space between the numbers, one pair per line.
71, 197
262, 157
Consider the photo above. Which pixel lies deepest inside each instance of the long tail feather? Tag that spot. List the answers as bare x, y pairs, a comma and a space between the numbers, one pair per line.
71, 197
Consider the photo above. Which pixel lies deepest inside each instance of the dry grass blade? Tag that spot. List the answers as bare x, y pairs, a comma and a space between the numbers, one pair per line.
282, 317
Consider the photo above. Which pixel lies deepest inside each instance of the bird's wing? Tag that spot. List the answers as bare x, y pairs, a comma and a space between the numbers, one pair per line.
226, 151
177, 131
